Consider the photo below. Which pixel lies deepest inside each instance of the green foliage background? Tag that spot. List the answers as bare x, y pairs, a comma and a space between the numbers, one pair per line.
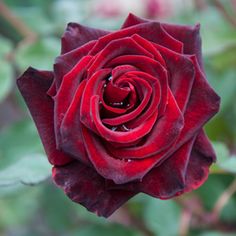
30, 205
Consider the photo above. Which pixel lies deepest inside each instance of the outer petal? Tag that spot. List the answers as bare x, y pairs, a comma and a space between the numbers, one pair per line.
152, 31
33, 85
201, 158
166, 180
66, 93
188, 35
203, 104
133, 20
66, 62
182, 73
77, 35
83, 185
71, 141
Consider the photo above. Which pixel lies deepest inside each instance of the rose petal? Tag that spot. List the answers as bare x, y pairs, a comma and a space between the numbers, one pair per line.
147, 93
201, 158
181, 75
149, 46
64, 63
71, 141
158, 182
119, 136
120, 171
189, 36
168, 179
152, 31
149, 66
33, 85
84, 186
202, 105
93, 87
77, 35
132, 20
117, 47
164, 133
66, 93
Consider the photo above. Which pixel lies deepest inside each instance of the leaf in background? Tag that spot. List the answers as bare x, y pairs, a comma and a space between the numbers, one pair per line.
21, 158
6, 79
217, 34
212, 233
29, 170
225, 59
225, 161
36, 18
19, 140
162, 217
108, 230
40, 54
210, 192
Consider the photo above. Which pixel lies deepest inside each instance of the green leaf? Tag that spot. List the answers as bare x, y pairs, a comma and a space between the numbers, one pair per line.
224, 160
6, 77
40, 54
162, 217
19, 140
108, 230
21, 155
213, 233
29, 170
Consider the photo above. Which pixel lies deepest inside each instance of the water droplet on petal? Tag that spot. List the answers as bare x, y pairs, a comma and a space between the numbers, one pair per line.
116, 104
125, 128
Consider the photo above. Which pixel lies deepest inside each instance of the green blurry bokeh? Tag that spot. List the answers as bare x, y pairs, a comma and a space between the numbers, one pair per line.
30, 205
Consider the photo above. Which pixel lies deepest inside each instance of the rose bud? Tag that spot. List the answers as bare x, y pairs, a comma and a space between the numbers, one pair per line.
123, 112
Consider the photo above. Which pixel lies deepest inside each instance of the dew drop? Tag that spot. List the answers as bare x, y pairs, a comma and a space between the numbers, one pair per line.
109, 78
117, 104
114, 128
125, 128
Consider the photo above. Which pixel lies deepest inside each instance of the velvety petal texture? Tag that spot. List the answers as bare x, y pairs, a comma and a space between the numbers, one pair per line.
123, 112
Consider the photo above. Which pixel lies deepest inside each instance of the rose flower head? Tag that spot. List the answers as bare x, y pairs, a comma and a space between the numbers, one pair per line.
123, 112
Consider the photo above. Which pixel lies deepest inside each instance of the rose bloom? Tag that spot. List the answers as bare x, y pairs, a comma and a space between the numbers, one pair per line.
123, 112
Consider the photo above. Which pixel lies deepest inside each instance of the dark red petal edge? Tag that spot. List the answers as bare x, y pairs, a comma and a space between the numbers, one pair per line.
77, 35
33, 85
84, 186
188, 35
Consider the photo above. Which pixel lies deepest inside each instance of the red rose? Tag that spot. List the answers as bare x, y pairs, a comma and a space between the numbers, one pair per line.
123, 112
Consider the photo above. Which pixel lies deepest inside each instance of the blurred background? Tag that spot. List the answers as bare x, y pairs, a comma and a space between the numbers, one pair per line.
30, 205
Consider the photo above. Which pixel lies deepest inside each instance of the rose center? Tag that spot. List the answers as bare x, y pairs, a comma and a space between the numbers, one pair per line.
116, 96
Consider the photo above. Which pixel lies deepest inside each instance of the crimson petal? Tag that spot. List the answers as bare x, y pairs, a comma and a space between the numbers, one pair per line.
201, 158
77, 35
202, 105
160, 183
84, 186
182, 74
188, 35
64, 63
33, 85
152, 31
